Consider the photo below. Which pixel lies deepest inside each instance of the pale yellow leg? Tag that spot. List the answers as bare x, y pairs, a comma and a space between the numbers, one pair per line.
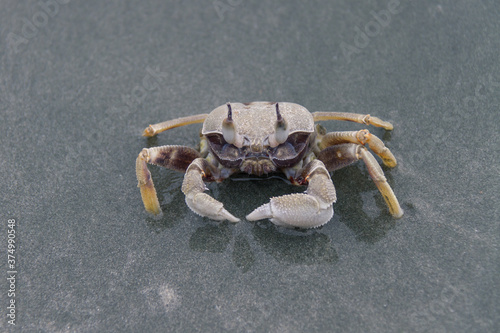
355, 117
360, 137
145, 184
380, 181
344, 149
172, 157
152, 130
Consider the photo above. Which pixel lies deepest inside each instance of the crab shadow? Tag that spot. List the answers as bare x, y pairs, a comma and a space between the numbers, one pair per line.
213, 237
219, 239
286, 246
354, 187
248, 240
305, 247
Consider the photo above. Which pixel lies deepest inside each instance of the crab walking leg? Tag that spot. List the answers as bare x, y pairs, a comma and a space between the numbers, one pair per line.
199, 202
355, 117
360, 137
339, 156
304, 210
380, 181
152, 130
172, 157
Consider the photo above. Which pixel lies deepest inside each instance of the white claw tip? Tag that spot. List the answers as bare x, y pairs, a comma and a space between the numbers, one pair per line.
263, 212
225, 215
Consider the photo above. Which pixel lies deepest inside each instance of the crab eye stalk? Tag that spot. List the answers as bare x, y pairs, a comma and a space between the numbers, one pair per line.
281, 133
228, 131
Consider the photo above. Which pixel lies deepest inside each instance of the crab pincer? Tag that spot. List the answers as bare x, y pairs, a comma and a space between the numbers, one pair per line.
302, 210
201, 203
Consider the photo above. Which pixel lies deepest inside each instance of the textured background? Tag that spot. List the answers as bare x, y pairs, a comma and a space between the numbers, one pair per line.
80, 81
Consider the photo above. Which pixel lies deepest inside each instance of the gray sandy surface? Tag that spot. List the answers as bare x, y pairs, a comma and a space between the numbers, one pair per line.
80, 80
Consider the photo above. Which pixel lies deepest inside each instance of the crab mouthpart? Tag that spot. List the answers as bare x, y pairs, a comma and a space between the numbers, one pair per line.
255, 166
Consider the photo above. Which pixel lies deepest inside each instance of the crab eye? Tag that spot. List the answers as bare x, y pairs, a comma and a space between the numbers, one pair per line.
281, 133
228, 131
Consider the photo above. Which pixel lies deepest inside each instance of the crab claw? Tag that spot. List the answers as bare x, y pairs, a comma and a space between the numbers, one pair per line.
204, 205
199, 202
294, 210
303, 210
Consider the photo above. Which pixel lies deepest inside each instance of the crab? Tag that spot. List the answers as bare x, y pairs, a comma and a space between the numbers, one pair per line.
261, 138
